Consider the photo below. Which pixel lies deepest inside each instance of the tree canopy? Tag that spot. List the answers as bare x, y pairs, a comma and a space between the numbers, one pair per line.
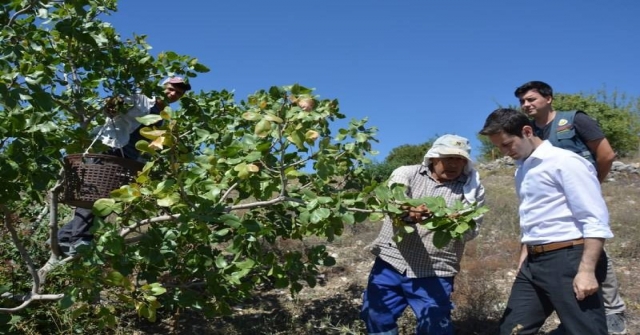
200, 224
406, 154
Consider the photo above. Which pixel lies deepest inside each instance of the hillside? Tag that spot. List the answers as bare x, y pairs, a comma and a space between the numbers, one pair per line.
481, 289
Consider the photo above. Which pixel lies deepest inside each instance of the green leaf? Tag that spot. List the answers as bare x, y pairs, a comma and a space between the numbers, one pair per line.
246, 264
298, 90
252, 226
151, 133
253, 156
329, 261
169, 200
375, 217
125, 193
347, 218
243, 170
149, 119
320, 214
67, 301
164, 186
15, 319
221, 262
157, 289
115, 278
143, 146
171, 55
297, 138
251, 116
408, 229
32, 81
462, 228
441, 238
230, 220
200, 68
273, 118
222, 232
104, 207
362, 137
263, 128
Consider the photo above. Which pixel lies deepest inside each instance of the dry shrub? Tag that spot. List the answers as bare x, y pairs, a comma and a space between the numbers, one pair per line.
623, 199
481, 287
501, 199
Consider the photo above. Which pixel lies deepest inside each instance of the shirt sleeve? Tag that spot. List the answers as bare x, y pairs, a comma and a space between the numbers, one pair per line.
587, 128
400, 175
141, 105
473, 233
584, 197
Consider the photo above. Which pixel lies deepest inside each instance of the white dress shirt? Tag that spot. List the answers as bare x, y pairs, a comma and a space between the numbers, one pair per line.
117, 130
560, 197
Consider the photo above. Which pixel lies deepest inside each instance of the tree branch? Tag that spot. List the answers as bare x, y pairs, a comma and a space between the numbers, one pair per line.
28, 299
226, 194
300, 162
126, 231
18, 13
8, 222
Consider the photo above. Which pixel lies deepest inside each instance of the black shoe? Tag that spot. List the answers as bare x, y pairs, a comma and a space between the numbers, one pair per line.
616, 324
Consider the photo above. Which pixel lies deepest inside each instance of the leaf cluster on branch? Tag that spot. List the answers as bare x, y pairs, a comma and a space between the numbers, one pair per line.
225, 181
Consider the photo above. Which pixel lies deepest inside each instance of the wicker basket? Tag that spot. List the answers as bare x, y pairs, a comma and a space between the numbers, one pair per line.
90, 177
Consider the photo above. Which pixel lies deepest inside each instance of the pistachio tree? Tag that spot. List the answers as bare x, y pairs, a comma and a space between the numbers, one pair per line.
226, 179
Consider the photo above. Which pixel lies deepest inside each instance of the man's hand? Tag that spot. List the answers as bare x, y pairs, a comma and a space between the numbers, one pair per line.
112, 105
584, 285
585, 282
418, 214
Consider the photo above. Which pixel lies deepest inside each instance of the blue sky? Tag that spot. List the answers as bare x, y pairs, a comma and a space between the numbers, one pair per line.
414, 68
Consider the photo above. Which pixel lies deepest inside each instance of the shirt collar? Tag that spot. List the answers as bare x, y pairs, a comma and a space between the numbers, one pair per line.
538, 153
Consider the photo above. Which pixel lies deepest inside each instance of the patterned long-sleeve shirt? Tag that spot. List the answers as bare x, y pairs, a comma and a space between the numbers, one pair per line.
416, 255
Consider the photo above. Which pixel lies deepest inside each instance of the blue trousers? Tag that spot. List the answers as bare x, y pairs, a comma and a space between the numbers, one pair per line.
389, 293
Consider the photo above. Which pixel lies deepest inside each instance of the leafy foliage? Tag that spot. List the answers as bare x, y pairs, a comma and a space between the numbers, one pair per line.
618, 117
446, 222
488, 151
226, 179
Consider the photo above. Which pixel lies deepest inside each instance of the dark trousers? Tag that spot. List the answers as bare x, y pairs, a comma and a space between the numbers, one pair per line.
79, 227
545, 284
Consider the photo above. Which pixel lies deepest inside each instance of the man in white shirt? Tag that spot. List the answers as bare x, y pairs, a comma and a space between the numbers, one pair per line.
564, 222
577, 132
120, 133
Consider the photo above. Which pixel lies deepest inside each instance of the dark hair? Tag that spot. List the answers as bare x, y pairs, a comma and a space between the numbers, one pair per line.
543, 88
505, 120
